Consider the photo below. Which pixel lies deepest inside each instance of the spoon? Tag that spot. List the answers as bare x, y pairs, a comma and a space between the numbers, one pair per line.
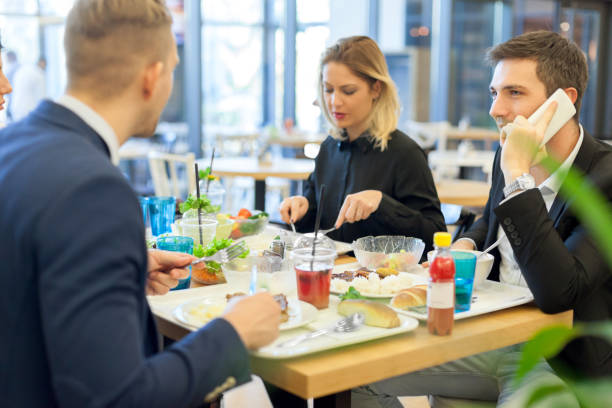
492, 246
344, 325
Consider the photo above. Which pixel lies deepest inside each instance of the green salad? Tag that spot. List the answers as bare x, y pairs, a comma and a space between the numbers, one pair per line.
211, 249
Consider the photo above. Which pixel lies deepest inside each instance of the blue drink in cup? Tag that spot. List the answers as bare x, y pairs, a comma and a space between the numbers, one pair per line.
144, 204
465, 267
161, 214
177, 244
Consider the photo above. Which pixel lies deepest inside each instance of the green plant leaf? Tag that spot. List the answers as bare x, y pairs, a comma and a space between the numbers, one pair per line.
593, 392
540, 394
546, 343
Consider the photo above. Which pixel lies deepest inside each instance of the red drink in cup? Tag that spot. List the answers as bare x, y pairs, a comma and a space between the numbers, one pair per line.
313, 275
313, 286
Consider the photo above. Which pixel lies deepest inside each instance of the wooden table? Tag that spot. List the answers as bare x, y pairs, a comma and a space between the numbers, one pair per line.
469, 193
297, 140
293, 169
472, 133
332, 374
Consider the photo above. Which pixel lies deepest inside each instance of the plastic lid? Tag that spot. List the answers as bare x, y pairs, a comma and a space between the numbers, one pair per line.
442, 239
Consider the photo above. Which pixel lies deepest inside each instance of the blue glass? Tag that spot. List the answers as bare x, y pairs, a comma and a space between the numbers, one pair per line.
465, 266
144, 204
177, 244
161, 214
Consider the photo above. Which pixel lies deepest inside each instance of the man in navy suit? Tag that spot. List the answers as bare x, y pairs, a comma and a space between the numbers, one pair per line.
76, 327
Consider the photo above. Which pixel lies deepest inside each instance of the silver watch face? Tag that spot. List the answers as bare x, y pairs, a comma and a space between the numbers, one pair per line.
526, 181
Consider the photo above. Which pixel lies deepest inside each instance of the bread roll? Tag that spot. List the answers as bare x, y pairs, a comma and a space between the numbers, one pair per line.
406, 298
376, 314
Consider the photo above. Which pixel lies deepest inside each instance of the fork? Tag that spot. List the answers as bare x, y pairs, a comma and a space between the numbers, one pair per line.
344, 325
224, 255
322, 232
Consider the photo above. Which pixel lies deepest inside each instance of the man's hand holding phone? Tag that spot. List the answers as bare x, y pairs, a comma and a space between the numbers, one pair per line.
522, 144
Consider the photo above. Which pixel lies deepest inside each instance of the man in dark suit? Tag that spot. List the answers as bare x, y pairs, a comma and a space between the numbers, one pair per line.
77, 330
543, 246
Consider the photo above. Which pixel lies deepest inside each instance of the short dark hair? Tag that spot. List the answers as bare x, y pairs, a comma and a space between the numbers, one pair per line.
560, 62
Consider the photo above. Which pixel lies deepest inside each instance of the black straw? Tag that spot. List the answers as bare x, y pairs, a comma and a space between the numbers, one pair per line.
317, 223
197, 174
212, 158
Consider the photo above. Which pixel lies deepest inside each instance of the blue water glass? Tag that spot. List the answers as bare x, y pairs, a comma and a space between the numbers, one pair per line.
177, 244
144, 204
465, 267
161, 214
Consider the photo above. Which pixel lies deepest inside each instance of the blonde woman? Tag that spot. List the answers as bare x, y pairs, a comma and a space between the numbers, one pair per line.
377, 178
5, 86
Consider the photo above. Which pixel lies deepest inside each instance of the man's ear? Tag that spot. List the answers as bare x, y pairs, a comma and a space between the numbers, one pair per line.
150, 79
572, 93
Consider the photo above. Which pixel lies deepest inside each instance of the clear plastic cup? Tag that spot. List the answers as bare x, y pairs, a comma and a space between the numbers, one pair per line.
313, 274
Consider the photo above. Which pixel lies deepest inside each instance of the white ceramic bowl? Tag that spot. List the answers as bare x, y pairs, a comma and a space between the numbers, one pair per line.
484, 264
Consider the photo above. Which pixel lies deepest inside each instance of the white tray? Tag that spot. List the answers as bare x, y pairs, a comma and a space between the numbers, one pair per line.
164, 306
489, 297
262, 240
326, 318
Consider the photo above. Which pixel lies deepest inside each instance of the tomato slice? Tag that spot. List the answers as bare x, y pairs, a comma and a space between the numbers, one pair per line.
244, 213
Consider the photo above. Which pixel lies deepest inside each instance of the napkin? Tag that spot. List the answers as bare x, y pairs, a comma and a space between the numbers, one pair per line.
252, 394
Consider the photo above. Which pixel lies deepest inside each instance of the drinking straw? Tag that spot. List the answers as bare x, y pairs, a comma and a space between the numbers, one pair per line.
317, 223
212, 158
197, 174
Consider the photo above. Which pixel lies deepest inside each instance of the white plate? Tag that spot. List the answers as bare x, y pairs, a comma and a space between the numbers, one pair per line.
490, 297
300, 313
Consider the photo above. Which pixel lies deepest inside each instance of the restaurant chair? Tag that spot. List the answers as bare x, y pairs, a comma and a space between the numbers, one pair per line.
458, 216
166, 171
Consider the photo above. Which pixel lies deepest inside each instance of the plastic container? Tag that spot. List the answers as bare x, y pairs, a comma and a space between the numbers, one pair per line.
387, 251
441, 288
248, 226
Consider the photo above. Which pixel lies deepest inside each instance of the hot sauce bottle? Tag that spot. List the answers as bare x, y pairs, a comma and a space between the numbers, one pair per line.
441, 288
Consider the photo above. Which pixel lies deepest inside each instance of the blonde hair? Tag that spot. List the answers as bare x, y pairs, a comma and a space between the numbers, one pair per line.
363, 57
108, 41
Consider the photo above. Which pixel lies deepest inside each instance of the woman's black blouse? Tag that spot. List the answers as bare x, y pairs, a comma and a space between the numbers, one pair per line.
409, 206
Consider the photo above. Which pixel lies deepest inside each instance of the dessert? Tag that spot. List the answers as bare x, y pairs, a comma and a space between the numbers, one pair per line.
376, 314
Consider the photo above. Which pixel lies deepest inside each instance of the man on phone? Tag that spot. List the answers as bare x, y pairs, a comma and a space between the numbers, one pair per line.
77, 330
543, 246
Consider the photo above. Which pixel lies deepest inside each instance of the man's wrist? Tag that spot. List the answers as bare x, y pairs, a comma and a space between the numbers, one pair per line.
513, 174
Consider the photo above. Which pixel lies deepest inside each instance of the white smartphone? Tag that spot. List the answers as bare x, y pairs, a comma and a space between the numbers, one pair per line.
565, 111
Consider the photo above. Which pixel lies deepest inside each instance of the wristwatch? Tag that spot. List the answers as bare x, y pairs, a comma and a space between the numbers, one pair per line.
523, 182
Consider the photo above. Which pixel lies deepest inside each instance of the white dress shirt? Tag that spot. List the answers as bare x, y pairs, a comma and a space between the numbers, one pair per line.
95, 121
509, 271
